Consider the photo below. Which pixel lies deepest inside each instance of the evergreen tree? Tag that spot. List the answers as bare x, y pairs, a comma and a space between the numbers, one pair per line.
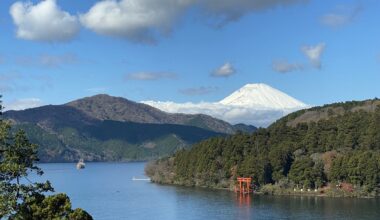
21, 200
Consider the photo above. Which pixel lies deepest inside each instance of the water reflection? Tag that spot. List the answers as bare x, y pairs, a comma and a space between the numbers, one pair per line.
244, 203
244, 200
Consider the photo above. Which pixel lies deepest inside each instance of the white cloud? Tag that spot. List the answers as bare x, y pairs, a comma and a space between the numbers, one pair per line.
225, 70
44, 21
22, 104
203, 90
57, 60
342, 16
335, 20
142, 21
232, 10
261, 117
314, 54
150, 76
48, 60
286, 67
136, 20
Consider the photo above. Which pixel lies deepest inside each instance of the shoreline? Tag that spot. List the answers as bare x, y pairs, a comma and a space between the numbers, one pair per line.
64, 162
287, 192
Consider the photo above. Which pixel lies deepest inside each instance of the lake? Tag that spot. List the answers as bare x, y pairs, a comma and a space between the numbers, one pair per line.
107, 191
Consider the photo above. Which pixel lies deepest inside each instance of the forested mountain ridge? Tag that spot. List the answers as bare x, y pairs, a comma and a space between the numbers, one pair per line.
337, 143
325, 112
106, 128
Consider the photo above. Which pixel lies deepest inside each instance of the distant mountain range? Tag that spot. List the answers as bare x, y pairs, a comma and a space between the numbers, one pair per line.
256, 104
106, 128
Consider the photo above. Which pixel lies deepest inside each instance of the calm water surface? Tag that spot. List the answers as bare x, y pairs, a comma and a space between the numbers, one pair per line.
106, 191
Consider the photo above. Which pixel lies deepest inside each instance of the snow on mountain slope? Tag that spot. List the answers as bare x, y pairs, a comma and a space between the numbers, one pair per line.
254, 104
261, 95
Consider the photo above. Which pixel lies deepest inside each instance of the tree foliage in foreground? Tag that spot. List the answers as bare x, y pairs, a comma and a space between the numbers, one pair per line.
19, 197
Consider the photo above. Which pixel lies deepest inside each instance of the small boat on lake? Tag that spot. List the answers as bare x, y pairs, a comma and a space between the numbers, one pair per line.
81, 164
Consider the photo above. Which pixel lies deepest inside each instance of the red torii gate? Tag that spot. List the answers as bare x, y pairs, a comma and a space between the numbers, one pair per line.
244, 184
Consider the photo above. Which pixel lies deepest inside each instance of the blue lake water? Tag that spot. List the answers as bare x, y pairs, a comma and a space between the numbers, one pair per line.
107, 191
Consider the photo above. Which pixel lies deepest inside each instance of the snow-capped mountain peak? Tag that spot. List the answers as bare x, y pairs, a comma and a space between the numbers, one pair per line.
254, 104
262, 96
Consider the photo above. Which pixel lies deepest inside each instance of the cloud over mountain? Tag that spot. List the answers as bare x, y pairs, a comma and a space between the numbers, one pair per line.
254, 104
44, 21
21, 104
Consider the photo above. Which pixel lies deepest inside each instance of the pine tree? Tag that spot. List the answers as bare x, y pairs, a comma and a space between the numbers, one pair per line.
18, 200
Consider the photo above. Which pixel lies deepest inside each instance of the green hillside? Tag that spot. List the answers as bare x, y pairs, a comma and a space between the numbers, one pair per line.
112, 141
106, 128
318, 148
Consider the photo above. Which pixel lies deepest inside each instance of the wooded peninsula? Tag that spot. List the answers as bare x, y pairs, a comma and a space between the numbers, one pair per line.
333, 150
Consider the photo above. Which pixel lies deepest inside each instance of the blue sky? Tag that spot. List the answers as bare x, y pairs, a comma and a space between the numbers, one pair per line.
191, 51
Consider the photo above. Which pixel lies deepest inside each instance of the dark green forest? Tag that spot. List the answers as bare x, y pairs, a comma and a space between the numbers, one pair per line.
112, 140
315, 148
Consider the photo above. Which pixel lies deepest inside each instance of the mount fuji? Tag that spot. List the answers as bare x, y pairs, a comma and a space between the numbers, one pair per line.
254, 104
261, 95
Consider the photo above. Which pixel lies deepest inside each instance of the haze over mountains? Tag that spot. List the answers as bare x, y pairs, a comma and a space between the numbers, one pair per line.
255, 104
